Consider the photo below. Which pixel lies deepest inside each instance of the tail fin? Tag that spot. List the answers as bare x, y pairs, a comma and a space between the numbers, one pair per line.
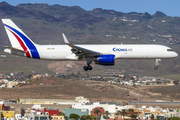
19, 40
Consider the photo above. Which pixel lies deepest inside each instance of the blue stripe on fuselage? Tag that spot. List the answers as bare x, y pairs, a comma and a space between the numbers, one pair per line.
28, 43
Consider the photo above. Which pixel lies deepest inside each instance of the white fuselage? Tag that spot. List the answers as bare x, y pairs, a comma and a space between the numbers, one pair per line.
144, 51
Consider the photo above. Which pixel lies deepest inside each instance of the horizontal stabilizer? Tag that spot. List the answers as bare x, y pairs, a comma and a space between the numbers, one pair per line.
14, 49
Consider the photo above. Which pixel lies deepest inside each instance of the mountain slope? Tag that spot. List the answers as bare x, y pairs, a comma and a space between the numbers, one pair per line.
56, 88
70, 15
7, 10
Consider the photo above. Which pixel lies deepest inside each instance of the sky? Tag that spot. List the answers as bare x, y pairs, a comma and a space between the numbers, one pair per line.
169, 7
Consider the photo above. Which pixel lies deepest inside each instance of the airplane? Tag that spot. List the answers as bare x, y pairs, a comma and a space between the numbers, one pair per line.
102, 54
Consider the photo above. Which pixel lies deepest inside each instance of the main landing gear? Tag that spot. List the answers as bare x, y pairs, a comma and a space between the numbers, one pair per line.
157, 63
88, 67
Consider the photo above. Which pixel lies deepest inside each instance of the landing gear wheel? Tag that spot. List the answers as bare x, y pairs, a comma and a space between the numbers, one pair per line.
89, 68
85, 68
155, 67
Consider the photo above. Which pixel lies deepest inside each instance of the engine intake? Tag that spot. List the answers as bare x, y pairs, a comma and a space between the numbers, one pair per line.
105, 60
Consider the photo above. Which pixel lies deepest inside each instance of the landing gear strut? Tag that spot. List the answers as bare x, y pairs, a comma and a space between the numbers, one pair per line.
88, 67
157, 63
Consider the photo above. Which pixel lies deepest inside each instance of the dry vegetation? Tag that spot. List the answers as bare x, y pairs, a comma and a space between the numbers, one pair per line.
68, 89
172, 91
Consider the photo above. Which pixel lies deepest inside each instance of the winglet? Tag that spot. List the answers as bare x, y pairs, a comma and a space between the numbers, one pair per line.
65, 39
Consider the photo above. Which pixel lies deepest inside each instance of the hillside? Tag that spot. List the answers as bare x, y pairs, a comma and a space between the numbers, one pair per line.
56, 88
44, 24
171, 91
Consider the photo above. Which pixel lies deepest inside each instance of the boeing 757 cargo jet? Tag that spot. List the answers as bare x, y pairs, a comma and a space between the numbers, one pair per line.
102, 54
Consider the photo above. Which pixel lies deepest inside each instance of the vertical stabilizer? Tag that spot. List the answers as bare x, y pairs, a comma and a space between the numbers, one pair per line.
13, 30
19, 39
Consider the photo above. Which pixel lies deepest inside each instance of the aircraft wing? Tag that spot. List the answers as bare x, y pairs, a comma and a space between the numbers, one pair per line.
79, 51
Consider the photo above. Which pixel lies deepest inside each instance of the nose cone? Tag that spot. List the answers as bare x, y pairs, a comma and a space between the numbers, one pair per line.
175, 54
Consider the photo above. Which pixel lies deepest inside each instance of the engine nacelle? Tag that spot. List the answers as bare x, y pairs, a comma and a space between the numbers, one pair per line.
105, 60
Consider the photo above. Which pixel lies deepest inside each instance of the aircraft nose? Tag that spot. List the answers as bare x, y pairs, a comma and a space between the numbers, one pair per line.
175, 54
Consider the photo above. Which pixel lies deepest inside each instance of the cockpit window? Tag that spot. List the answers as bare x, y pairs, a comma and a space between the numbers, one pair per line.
169, 49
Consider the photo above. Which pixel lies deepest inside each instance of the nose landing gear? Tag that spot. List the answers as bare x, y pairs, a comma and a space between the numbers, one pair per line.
157, 63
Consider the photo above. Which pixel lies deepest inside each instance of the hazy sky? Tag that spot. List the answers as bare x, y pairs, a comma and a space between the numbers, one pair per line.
169, 7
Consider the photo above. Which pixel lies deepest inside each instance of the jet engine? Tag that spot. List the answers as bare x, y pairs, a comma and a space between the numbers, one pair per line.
105, 60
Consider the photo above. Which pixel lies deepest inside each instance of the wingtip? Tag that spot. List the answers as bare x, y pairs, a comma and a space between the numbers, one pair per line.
65, 39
